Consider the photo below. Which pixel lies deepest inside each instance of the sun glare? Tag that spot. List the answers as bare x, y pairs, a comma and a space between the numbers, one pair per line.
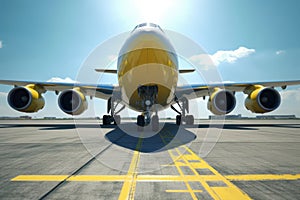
153, 11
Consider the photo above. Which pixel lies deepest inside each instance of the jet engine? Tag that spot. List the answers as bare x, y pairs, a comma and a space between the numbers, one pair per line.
221, 102
72, 102
26, 99
261, 99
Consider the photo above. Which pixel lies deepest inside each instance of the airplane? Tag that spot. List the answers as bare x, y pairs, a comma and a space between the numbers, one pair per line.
147, 71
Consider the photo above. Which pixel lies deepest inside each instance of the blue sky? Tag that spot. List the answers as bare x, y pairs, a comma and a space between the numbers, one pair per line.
51, 38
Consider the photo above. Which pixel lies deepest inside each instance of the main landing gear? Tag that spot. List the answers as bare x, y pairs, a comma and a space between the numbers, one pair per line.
113, 117
182, 117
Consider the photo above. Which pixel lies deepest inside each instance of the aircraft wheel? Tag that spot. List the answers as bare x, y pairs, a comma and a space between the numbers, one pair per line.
106, 119
141, 120
155, 123
178, 120
189, 119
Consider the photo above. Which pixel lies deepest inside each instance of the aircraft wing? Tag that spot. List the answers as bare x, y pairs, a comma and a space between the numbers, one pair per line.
96, 90
201, 90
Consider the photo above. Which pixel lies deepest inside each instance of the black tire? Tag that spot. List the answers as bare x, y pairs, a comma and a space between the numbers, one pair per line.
178, 120
117, 119
189, 119
141, 120
106, 119
155, 123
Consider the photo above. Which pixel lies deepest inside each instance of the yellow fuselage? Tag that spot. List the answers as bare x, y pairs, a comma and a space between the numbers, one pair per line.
147, 59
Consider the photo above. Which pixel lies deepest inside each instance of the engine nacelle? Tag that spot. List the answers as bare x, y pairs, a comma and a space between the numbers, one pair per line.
72, 102
262, 100
26, 99
221, 102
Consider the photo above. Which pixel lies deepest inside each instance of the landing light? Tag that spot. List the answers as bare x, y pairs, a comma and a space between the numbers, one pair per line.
148, 102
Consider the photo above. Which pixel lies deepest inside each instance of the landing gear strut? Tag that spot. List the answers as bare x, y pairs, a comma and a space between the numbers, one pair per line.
148, 95
182, 117
113, 117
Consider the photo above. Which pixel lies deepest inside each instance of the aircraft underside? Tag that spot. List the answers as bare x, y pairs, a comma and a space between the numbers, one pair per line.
147, 98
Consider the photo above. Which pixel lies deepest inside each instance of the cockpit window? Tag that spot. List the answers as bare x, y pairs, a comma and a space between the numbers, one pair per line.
141, 25
148, 24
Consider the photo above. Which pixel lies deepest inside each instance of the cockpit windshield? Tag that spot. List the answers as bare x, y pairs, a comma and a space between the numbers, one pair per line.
147, 24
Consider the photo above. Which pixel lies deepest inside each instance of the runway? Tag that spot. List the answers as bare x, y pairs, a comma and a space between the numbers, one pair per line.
66, 159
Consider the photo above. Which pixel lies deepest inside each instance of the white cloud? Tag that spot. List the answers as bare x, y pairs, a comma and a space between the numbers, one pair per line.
280, 52
231, 56
222, 56
60, 80
1, 44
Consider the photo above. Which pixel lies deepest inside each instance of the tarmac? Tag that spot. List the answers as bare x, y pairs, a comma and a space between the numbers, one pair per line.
232, 159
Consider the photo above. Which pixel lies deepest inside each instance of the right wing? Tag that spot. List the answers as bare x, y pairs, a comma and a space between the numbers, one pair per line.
200, 90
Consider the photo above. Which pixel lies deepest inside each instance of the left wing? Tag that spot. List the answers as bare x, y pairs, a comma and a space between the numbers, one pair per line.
201, 90
95, 90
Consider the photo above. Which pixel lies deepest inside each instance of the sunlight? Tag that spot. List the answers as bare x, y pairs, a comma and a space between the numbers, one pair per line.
153, 11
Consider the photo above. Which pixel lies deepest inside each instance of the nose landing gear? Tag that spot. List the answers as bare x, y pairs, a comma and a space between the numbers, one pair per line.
148, 95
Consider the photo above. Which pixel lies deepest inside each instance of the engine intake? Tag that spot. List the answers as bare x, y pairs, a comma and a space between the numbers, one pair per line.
262, 100
25, 99
72, 102
221, 102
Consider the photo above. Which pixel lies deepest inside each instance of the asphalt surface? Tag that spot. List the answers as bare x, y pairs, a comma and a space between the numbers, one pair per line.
238, 159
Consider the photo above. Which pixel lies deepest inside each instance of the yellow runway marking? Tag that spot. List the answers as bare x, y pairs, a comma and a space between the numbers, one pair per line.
178, 164
229, 191
98, 178
186, 161
157, 178
128, 189
170, 178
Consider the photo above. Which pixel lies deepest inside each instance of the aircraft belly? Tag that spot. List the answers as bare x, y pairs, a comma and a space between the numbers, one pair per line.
164, 77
